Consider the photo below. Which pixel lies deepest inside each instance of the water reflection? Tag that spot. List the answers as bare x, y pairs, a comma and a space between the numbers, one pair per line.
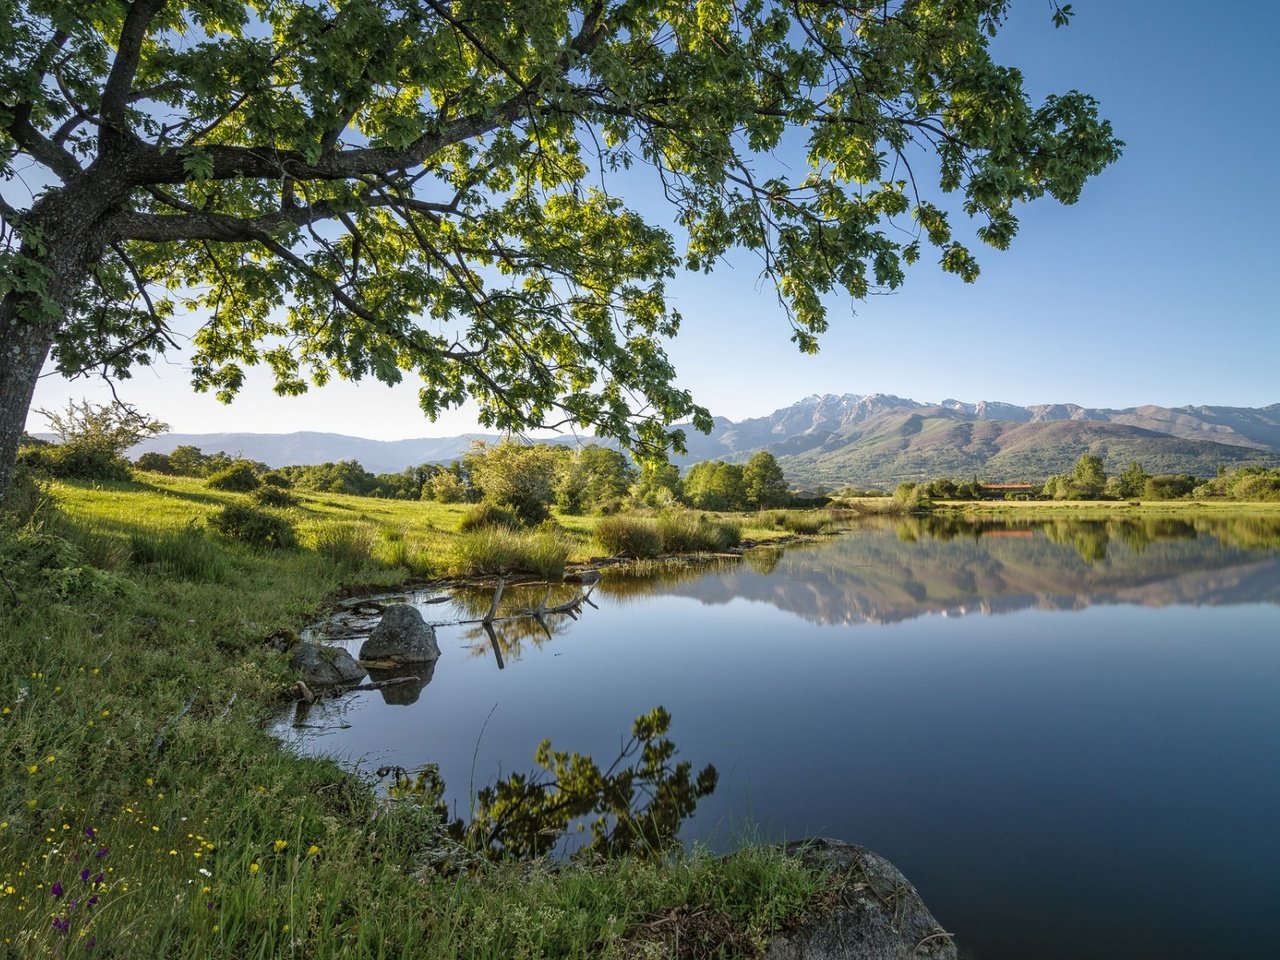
894, 570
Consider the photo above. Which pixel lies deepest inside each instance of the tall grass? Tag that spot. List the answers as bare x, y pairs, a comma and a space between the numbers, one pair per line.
623, 536
346, 544
499, 550
186, 553
685, 531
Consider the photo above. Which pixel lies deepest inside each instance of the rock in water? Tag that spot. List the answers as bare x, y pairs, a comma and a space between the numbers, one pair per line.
400, 637
322, 666
878, 916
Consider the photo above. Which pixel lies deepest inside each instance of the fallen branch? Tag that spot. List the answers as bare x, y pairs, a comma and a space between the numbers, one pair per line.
380, 684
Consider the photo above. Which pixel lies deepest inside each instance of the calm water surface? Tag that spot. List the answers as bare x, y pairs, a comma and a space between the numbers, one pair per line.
1067, 735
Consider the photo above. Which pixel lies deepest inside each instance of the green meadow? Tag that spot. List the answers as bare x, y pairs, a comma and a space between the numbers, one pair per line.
145, 810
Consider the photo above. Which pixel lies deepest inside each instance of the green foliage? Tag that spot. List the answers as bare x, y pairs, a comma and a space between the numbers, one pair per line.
274, 478
592, 477
1245, 483
485, 514
25, 497
516, 476
257, 528
445, 487
659, 485
715, 485
635, 537
763, 483
155, 463
911, 497
1132, 483
41, 566
237, 478
270, 496
92, 441
442, 212
1088, 477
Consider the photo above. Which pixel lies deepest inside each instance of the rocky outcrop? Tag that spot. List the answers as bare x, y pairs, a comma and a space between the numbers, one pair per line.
875, 914
322, 666
401, 637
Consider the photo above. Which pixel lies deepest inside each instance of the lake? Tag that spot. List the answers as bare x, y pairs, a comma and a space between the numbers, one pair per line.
1066, 734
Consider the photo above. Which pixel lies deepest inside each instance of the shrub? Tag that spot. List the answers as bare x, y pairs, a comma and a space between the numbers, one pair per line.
274, 478
75, 462
155, 463
486, 514
499, 550
683, 531
635, 537
254, 527
348, 545
274, 497
237, 478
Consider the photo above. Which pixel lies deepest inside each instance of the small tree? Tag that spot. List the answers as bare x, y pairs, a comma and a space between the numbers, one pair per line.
1088, 477
93, 439
516, 476
1132, 482
764, 484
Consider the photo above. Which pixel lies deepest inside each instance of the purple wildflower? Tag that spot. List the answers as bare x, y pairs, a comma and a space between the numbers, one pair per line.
98, 879
91, 901
88, 944
56, 889
102, 852
90, 832
84, 874
61, 923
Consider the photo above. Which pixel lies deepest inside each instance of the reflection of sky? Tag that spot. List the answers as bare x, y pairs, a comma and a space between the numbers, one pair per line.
1056, 782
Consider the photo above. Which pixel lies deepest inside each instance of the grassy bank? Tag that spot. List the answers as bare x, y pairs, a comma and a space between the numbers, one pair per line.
143, 807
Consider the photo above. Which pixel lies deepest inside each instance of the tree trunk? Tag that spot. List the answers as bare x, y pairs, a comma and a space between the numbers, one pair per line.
23, 349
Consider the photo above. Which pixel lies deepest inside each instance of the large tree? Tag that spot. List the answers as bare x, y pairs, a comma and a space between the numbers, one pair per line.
381, 187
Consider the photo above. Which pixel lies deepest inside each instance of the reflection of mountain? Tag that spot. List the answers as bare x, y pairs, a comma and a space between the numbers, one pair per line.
886, 573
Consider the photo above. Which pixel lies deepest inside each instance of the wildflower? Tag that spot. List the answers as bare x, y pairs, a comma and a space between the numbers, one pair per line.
253, 868
31, 770
84, 874
61, 923
92, 901
6, 711
281, 844
106, 713
90, 832
102, 852
98, 879
312, 850
56, 889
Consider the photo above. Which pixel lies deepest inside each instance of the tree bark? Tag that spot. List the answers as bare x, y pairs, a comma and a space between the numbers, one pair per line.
24, 347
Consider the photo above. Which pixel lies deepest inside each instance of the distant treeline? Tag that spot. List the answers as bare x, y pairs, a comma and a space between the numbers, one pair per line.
1088, 480
587, 479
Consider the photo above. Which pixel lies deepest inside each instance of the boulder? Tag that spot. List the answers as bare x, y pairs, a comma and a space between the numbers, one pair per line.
400, 637
322, 666
877, 914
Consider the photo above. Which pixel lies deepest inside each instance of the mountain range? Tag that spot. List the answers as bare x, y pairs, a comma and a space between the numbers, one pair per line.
872, 440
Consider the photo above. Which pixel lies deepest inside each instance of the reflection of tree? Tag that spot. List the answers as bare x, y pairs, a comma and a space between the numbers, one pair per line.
1089, 537
634, 807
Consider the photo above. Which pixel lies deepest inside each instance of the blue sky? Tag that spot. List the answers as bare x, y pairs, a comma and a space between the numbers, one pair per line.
1157, 287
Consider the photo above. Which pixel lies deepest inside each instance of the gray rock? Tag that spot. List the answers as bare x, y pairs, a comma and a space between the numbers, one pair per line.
322, 666
877, 916
400, 637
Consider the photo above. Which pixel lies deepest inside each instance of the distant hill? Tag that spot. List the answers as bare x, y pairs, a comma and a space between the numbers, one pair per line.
872, 440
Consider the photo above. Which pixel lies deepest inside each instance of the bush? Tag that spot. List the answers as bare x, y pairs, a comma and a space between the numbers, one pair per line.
75, 462
635, 537
348, 545
499, 550
683, 531
484, 515
274, 478
274, 497
254, 527
237, 478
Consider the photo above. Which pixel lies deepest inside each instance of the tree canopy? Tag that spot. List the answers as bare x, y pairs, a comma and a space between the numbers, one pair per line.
377, 188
